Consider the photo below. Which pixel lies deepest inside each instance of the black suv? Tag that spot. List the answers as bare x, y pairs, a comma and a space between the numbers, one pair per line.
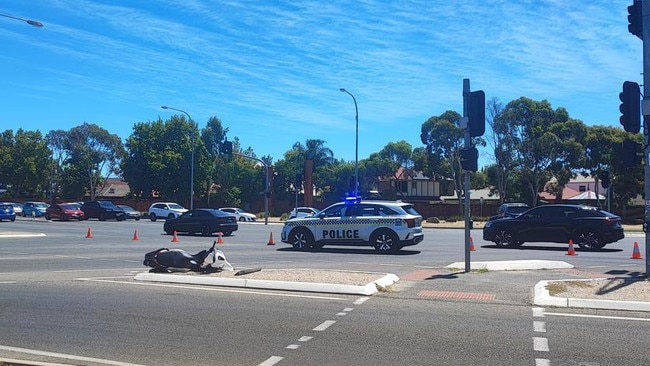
588, 227
102, 210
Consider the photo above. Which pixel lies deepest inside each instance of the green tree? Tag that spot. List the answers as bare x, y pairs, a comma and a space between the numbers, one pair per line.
444, 140
95, 153
539, 151
25, 164
159, 158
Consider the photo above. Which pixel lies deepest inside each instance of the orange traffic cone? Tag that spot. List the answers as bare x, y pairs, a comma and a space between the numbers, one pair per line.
471, 245
135, 235
175, 238
89, 234
271, 242
571, 250
636, 254
220, 241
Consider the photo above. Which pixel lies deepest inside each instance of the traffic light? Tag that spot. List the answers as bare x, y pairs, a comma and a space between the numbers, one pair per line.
604, 179
630, 107
631, 157
227, 147
635, 19
476, 113
469, 159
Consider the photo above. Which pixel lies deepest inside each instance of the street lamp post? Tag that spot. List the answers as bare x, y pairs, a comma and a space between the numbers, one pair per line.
356, 144
28, 21
193, 148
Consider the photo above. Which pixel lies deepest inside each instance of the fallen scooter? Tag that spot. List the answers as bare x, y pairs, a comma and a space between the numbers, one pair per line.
165, 260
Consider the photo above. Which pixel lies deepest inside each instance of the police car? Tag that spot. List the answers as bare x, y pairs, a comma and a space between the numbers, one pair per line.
385, 225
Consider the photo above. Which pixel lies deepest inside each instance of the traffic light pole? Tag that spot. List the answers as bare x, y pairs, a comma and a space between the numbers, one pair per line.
645, 108
468, 144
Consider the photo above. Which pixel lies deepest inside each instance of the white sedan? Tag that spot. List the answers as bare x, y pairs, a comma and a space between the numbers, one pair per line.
240, 214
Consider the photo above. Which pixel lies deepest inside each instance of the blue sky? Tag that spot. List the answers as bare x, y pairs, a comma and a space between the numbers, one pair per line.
271, 70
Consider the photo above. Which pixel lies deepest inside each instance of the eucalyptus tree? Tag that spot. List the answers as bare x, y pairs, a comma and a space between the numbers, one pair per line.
444, 141
502, 142
92, 155
542, 146
55, 141
603, 153
213, 136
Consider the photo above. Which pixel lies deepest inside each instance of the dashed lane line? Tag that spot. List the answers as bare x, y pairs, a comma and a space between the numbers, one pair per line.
324, 325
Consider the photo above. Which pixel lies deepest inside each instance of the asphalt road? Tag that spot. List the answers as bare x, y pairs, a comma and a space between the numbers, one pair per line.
71, 299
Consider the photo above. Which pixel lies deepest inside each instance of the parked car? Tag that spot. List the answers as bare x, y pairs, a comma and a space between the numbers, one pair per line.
34, 209
165, 210
302, 212
510, 210
18, 208
7, 212
130, 212
588, 227
202, 220
64, 212
385, 225
240, 214
102, 210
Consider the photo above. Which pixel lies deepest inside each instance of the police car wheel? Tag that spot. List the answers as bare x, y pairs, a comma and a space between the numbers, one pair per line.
301, 239
385, 241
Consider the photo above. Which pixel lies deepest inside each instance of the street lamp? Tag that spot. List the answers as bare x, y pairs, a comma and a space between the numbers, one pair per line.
193, 148
28, 21
356, 144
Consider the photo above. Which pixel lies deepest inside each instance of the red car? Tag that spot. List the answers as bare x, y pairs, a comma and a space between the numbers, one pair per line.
65, 211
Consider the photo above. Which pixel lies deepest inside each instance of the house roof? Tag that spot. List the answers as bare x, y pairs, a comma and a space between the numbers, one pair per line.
587, 195
566, 193
114, 188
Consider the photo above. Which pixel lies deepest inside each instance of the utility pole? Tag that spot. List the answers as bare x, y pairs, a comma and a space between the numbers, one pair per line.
645, 109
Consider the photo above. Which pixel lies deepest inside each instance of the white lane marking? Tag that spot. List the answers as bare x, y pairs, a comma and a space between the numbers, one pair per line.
360, 300
538, 312
8, 282
271, 361
216, 289
539, 326
341, 314
542, 362
71, 256
600, 317
324, 325
347, 310
66, 356
305, 339
540, 344
292, 346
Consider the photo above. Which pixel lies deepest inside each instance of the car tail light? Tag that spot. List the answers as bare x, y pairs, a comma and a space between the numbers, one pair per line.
410, 223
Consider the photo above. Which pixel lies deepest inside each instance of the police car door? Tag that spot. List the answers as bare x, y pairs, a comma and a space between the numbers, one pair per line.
341, 229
